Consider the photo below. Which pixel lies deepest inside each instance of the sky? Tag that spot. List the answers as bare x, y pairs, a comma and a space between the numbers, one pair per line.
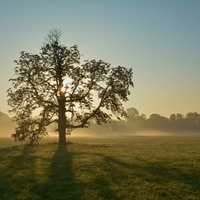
158, 39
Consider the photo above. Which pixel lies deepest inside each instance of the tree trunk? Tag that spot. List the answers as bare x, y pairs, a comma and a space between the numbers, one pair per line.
62, 121
61, 101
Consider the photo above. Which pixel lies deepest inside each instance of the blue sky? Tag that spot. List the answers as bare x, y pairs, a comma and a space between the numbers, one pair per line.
159, 39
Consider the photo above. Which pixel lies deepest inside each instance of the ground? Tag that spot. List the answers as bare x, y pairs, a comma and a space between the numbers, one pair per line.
102, 168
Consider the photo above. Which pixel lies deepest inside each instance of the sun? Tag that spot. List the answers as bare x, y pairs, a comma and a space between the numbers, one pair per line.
63, 89
66, 85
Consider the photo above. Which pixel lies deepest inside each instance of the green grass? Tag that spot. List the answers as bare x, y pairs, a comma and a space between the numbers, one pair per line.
106, 168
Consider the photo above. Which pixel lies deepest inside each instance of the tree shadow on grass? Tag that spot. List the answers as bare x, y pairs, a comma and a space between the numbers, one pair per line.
67, 183
160, 174
107, 176
61, 184
165, 172
28, 173
114, 178
16, 172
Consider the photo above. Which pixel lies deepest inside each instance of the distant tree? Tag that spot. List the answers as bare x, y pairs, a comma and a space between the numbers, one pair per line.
132, 113
192, 121
56, 85
177, 121
135, 121
157, 121
172, 118
118, 127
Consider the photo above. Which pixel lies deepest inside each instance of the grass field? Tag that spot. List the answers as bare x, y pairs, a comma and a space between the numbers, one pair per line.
138, 168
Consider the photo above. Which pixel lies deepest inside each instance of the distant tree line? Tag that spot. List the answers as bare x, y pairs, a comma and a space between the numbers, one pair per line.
134, 122
138, 122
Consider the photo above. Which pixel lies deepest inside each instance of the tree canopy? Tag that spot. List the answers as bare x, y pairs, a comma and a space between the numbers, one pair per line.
61, 88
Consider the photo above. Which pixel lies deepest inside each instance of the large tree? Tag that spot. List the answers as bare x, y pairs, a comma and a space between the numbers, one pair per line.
62, 89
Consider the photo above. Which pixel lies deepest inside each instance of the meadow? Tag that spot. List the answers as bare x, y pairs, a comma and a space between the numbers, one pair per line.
140, 168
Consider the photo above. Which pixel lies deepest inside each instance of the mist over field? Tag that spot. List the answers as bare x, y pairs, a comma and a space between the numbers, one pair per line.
135, 125
93, 133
